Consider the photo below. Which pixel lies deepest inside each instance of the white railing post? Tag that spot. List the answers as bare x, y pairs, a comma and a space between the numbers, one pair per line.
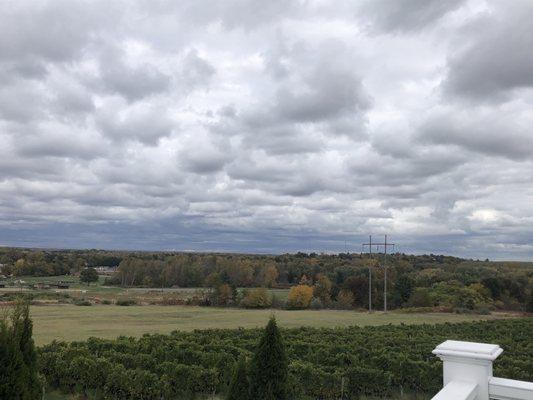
467, 363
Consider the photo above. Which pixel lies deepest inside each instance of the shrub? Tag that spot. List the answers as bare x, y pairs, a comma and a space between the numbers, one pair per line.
82, 302
126, 302
529, 302
257, 298
316, 304
345, 300
483, 310
369, 381
277, 302
420, 298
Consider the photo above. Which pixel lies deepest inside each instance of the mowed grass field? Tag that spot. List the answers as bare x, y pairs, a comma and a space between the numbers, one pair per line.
69, 322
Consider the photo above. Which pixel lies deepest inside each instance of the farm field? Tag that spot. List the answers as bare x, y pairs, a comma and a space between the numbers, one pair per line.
69, 322
100, 291
324, 363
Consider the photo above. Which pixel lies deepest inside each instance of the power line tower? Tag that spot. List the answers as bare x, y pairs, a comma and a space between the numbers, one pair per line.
385, 245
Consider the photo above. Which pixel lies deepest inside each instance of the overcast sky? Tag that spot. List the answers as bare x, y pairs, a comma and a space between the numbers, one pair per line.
268, 126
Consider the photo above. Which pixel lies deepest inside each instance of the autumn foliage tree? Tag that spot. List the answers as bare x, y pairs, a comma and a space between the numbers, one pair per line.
256, 298
300, 297
270, 275
345, 300
223, 295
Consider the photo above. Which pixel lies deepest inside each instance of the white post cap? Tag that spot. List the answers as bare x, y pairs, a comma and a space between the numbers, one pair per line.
468, 350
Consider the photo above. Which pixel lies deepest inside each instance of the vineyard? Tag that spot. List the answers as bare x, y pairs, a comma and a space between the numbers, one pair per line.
324, 363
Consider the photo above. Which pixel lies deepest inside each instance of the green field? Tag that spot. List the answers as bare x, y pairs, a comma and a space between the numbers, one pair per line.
69, 322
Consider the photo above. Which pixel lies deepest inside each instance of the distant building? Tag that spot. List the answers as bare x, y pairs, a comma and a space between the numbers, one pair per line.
105, 270
41, 285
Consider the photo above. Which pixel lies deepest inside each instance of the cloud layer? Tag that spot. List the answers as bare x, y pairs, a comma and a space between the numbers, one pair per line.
278, 126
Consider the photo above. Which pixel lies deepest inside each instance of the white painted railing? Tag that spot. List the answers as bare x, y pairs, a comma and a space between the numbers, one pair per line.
467, 374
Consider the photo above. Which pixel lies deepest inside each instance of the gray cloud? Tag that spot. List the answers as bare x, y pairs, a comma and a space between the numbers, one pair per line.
133, 83
497, 57
141, 122
405, 15
285, 126
202, 156
195, 71
68, 27
21, 101
490, 132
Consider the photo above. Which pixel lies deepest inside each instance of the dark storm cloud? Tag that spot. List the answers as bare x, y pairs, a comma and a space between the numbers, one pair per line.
267, 126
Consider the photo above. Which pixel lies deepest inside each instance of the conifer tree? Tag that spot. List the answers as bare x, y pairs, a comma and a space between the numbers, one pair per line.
11, 365
19, 379
269, 369
22, 334
239, 388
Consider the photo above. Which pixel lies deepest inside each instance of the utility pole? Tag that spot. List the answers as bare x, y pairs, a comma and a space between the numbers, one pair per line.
385, 245
385, 277
369, 244
370, 277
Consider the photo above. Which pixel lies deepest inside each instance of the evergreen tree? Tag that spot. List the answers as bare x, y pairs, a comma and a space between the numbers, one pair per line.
11, 365
269, 369
22, 334
19, 378
239, 388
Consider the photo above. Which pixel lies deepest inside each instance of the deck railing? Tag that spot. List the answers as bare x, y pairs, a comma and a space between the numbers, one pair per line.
467, 374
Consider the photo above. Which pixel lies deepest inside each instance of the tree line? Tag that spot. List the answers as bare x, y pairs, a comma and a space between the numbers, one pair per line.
324, 281
338, 281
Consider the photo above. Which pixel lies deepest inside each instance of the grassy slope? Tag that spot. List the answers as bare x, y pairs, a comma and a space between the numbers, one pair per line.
69, 322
